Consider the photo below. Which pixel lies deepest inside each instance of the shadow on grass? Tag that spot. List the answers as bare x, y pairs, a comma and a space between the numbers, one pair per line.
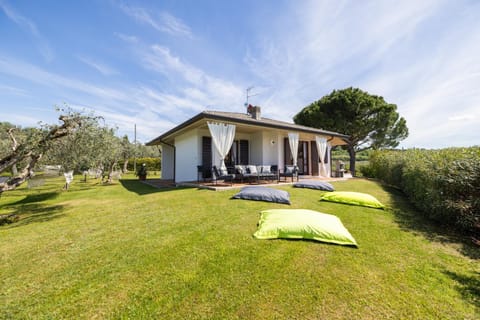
142, 188
33, 198
411, 219
31, 209
34, 213
469, 286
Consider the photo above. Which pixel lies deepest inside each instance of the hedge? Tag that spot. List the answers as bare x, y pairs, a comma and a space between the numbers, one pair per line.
443, 184
152, 164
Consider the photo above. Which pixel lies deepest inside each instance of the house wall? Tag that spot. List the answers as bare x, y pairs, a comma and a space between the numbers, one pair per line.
270, 150
281, 151
168, 156
256, 148
187, 148
265, 147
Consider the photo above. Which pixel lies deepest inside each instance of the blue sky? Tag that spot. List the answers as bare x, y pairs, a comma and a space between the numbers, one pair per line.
158, 63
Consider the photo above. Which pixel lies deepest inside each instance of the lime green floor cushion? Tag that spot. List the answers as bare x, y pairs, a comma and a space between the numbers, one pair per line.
302, 224
355, 198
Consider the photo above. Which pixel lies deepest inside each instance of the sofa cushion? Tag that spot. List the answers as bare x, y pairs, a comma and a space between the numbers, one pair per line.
265, 169
289, 169
240, 169
252, 169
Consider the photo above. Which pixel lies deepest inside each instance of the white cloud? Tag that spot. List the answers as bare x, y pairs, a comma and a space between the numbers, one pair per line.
200, 88
422, 56
12, 90
35, 74
126, 37
25, 120
164, 22
464, 117
30, 27
174, 26
100, 67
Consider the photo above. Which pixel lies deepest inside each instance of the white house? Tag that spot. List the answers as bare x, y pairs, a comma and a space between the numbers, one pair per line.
253, 140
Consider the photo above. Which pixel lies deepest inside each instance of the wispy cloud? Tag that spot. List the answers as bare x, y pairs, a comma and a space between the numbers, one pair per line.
126, 37
174, 26
163, 21
199, 87
100, 67
149, 123
12, 90
422, 56
18, 19
30, 27
32, 73
156, 110
463, 117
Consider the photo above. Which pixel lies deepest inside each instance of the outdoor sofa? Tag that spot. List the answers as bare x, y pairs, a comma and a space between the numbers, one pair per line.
255, 173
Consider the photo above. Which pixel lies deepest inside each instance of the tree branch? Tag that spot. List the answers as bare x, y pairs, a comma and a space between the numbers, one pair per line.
14, 141
34, 152
26, 174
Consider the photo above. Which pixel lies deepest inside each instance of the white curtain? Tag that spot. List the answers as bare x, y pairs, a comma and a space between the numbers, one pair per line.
322, 148
329, 160
222, 136
293, 141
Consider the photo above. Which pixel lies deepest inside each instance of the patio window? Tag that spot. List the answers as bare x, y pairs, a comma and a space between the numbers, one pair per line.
238, 153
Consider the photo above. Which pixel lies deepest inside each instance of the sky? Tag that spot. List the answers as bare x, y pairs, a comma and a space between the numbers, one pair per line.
155, 64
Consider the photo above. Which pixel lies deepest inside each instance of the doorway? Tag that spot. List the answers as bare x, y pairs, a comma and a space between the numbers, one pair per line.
303, 158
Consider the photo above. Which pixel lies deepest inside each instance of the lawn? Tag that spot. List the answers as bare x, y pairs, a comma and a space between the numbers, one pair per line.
128, 250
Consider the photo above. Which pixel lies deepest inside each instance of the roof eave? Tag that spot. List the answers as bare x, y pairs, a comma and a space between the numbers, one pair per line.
203, 115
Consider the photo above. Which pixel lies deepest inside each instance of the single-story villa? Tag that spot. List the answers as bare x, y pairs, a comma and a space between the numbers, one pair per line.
226, 139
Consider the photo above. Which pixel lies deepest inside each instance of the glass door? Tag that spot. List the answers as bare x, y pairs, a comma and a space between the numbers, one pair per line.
302, 160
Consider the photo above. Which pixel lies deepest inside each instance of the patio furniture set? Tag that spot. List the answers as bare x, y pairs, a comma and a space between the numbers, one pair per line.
250, 173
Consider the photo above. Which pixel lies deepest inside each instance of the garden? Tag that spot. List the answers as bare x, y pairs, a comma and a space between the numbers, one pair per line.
128, 250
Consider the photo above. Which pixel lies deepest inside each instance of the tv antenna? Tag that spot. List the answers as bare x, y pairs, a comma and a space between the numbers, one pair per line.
250, 95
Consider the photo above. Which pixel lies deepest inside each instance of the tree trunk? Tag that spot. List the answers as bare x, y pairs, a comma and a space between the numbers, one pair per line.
14, 170
26, 174
21, 152
353, 158
125, 164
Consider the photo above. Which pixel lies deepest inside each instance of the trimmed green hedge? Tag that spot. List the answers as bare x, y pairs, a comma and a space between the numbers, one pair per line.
152, 164
444, 184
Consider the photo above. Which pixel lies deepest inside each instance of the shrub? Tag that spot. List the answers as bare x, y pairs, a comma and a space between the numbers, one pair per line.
444, 184
152, 164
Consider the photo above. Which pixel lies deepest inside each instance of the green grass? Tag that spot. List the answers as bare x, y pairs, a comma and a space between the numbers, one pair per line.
129, 251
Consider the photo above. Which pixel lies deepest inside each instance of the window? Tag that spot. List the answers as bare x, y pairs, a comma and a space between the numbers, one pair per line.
238, 154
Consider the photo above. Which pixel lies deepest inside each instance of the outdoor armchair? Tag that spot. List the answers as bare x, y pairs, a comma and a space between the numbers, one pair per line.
219, 174
289, 171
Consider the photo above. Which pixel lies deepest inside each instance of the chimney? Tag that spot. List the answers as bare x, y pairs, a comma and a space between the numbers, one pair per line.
256, 113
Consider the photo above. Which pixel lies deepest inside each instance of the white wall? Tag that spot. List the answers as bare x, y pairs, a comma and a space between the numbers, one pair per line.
167, 162
270, 148
187, 156
256, 148
281, 151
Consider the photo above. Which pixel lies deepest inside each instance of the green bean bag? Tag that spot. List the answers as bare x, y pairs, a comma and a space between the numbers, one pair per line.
302, 224
355, 198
